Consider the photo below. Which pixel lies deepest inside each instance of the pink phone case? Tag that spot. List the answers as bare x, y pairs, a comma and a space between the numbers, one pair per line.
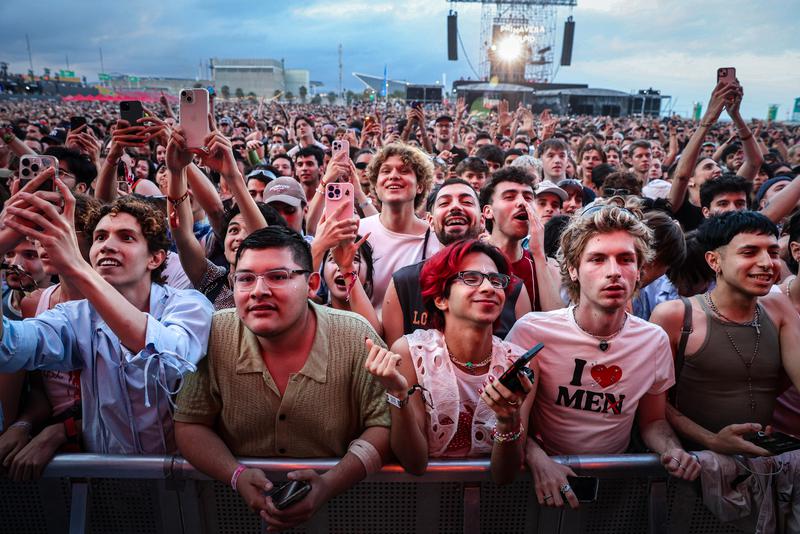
340, 146
726, 74
194, 116
337, 194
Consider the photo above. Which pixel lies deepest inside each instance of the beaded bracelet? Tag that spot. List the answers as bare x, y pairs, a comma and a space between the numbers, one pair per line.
507, 437
235, 477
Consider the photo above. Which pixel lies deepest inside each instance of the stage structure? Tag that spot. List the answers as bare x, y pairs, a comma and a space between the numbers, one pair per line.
518, 39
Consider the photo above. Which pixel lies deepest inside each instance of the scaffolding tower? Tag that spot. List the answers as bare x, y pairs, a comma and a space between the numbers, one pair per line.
533, 22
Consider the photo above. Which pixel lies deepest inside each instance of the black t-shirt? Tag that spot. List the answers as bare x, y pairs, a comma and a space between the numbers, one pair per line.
689, 215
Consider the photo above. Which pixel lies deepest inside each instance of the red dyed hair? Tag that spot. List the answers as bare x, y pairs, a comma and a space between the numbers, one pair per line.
440, 269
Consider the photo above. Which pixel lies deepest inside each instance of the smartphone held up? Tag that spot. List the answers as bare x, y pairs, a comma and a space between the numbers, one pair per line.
194, 106
31, 166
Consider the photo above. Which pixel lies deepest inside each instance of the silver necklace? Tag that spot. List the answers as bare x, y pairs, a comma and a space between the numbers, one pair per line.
603, 339
754, 322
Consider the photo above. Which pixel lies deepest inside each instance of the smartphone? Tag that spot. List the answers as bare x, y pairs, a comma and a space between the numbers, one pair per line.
123, 177
726, 74
337, 194
416, 105
76, 122
194, 117
286, 494
31, 166
776, 443
510, 378
584, 488
369, 120
340, 146
131, 111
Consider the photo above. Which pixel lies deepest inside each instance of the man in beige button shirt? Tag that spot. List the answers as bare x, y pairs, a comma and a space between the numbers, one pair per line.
283, 378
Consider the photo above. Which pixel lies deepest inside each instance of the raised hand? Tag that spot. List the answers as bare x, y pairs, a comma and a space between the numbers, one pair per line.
384, 364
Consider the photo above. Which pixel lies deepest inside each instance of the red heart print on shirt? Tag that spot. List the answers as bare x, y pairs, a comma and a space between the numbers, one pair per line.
605, 376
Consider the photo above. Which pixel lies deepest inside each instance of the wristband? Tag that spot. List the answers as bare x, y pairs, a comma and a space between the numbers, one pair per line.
367, 454
178, 201
507, 437
235, 477
320, 189
706, 124
746, 137
353, 277
366, 203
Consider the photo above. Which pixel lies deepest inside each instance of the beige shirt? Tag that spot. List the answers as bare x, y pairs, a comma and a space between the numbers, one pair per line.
326, 405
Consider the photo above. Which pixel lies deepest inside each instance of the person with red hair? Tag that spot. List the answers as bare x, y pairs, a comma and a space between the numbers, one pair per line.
461, 410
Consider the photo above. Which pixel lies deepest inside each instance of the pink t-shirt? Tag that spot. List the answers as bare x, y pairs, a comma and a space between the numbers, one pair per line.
586, 399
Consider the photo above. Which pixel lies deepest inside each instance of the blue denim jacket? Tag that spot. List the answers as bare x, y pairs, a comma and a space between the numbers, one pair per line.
125, 396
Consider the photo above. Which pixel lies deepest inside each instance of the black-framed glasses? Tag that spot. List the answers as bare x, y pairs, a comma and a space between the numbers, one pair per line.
26, 281
245, 281
476, 278
361, 165
612, 192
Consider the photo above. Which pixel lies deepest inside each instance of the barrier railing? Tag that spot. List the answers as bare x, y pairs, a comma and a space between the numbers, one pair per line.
103, 493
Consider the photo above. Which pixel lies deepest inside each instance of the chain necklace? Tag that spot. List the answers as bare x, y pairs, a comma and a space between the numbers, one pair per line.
747, 364
470, 366
603, 339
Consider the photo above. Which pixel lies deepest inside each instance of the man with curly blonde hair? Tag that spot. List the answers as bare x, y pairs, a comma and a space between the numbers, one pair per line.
601, 366
401, 177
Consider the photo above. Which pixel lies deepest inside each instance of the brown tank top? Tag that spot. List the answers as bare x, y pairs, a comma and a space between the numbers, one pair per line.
712, 389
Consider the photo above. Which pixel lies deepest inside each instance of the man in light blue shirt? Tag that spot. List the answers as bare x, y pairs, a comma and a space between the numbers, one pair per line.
132, 337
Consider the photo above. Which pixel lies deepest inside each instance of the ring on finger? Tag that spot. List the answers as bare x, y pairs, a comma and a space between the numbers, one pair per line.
547, 497
565, 488
513, 403
679, 462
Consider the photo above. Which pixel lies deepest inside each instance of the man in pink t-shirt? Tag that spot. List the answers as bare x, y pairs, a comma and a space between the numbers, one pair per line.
600, 366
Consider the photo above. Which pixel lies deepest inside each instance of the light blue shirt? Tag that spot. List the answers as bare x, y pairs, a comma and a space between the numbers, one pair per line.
658, 291
125, 396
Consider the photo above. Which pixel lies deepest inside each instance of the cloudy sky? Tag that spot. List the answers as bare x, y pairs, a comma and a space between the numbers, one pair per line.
671, 45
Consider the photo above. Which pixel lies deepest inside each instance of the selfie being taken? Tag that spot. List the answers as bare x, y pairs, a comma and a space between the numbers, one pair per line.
447, 266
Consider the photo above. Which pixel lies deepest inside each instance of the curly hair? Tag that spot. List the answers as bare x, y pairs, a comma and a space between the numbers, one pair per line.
600, 218
439, 270
152, 221
411, 156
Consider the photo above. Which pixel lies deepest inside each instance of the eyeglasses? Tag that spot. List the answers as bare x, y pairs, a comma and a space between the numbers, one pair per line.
476, 278
245, 281
26, 281
611, 192
361, 165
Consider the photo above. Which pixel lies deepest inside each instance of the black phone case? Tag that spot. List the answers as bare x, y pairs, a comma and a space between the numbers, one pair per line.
289, 493
133, 113
510, 379
584, 488
776, 443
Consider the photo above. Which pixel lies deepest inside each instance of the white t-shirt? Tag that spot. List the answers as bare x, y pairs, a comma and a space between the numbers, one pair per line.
174, 275
586, 399
392, 251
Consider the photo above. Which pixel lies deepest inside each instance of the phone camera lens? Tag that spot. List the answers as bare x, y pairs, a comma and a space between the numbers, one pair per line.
35, 167
26, 172
183, 94
331, 194
189, 99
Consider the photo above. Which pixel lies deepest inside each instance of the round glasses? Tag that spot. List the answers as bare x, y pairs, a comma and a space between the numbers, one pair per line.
476, 278
245, 281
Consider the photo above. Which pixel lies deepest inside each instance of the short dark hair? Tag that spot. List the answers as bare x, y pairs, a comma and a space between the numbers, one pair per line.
552, 234
79, 164
279, 237
718, 231
513, 152
491, 153
622, 180
600, 173
314, 151
151, 219
308, 121
693, 271
639, 143
793, 229
669, 243
474, 164
284, 156
516, 175
270, 214
483, 135
727, 183
552, 143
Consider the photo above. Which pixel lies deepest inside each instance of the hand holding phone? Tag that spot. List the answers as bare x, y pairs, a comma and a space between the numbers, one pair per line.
32, 166
194, 106
337, 194
286, 494
510, 378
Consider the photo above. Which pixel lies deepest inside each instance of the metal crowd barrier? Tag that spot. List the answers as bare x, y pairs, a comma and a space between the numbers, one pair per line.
88, 493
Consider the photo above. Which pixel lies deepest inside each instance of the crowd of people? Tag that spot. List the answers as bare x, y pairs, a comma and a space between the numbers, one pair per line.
211, 302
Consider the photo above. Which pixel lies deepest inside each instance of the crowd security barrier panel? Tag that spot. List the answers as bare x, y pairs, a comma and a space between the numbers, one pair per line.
148, 494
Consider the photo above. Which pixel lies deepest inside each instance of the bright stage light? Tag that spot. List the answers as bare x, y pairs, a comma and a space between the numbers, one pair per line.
509, 48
